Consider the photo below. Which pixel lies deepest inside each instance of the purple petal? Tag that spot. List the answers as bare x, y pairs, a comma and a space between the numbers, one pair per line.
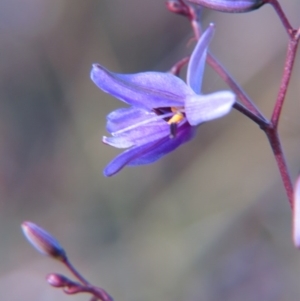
145, 90
231, 6
129, 155
123, 117
139, 135
149, 152
202, 108
118, 142
183, 135
132, 127
197, 61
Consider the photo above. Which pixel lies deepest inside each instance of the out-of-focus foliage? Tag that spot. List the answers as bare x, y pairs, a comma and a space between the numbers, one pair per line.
208, 222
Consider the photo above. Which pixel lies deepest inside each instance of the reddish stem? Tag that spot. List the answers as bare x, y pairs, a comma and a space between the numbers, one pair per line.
227, 78
245, 99
250, 109
253, 113
72, 269
274, 140
97, 292
285, 22
288, 67
179, 65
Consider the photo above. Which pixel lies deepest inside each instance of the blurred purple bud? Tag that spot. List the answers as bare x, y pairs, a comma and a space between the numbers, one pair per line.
58, 280
177, 7
296, 214
69, 287
230, 6
42, 241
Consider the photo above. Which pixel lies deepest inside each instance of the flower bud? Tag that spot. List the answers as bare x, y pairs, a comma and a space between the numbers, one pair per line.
58, 280
42, 241
69, 287
230, 6
296, 214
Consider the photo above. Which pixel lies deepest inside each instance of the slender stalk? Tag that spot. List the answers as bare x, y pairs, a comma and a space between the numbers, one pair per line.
217, 66
288, 67
97, 292
242, 109
284, 20
251, 111
179, 65
72, 269
275, 143
246, 100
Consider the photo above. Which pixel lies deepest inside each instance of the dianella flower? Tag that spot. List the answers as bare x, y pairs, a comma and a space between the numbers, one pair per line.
164, 111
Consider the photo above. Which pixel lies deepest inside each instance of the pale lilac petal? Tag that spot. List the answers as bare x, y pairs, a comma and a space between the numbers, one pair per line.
145, 90
149, 152
148, 133
296, 214
139, 135
197, 61
202, 108
124, 117
118, 142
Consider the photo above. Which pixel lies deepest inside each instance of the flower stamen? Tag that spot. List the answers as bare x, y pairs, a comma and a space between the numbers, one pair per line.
174, 120
173, 130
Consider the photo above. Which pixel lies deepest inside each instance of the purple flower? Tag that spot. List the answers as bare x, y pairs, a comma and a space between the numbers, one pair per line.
164, 112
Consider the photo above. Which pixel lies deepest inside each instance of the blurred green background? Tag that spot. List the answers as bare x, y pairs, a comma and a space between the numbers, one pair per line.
208, 222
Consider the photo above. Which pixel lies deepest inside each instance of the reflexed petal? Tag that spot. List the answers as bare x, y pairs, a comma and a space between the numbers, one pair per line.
149, 152
202, 108
145, 90
197, 61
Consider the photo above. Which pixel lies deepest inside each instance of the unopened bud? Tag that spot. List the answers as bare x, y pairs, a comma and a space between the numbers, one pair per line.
230, 6
43, 241
69, 287
296, 214
58, 280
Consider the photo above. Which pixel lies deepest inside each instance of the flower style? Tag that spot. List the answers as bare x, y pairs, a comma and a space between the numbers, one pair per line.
164, 112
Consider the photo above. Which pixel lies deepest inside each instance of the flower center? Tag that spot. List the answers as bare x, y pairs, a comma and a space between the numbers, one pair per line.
174, 120
177, 117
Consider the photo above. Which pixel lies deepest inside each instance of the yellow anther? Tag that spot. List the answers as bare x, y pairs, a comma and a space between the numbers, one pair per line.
176, 118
